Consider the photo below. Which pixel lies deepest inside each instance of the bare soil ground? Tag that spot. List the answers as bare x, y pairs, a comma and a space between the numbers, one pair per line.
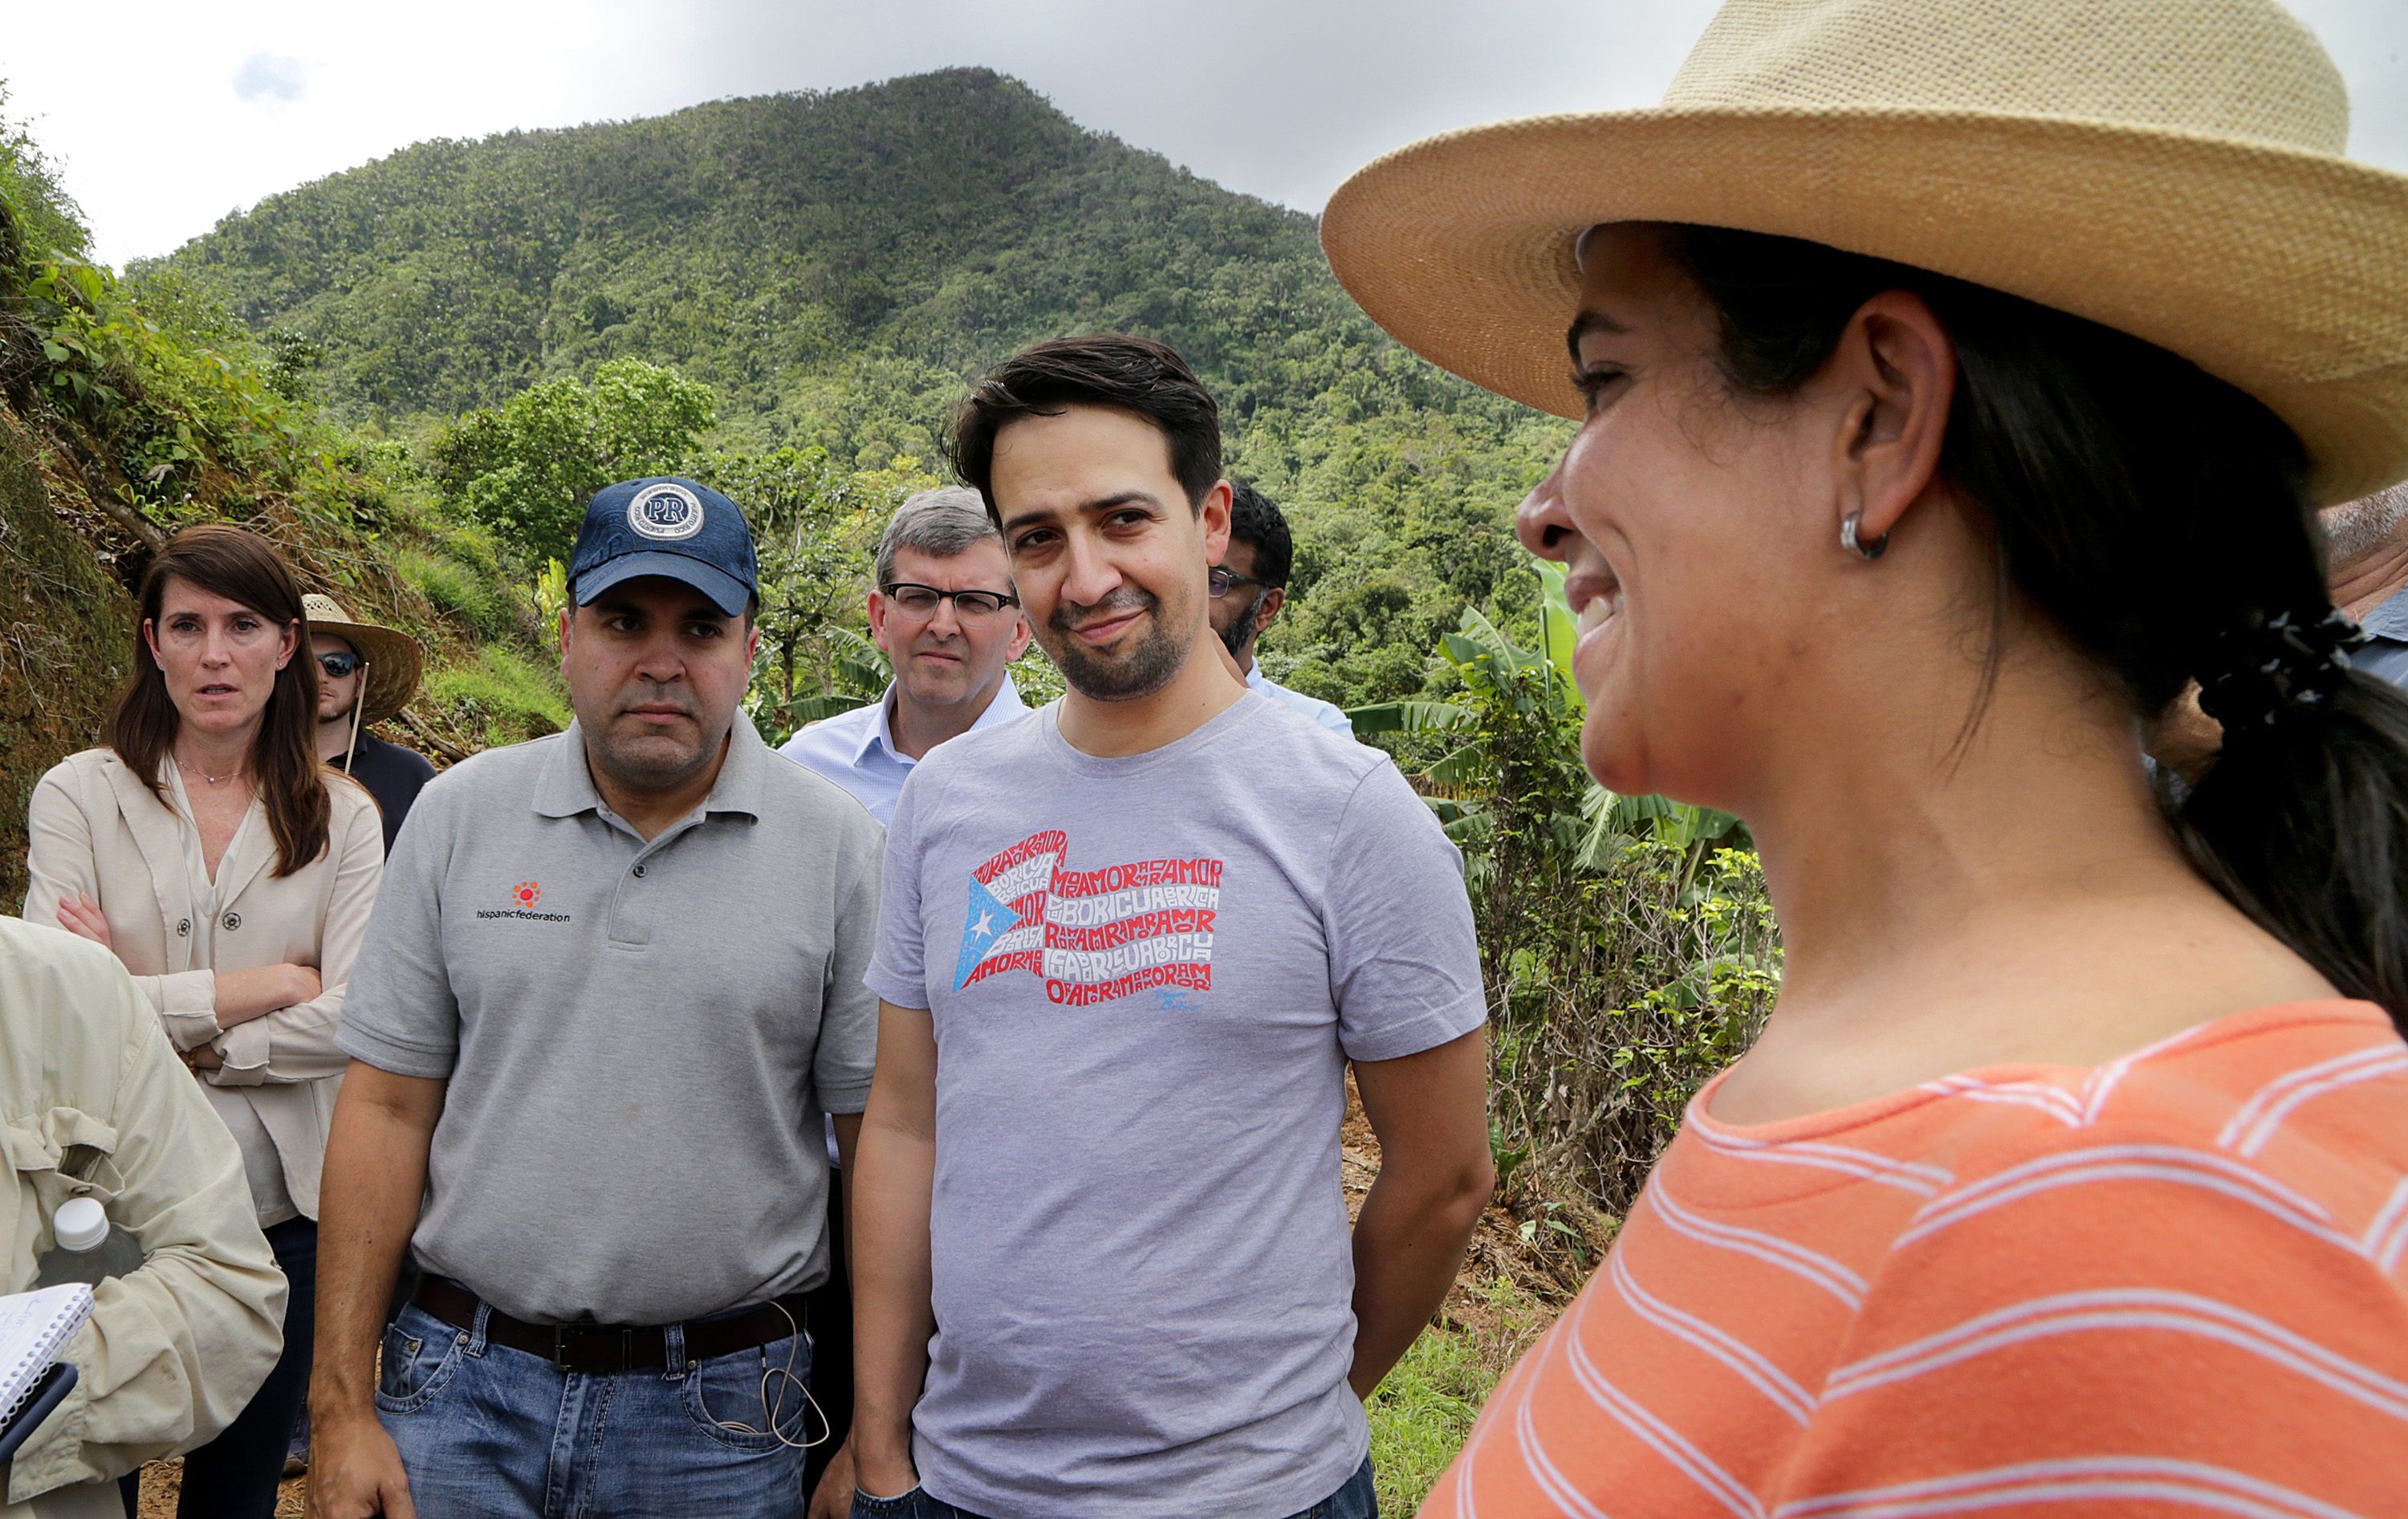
1549, 1267
162, 1480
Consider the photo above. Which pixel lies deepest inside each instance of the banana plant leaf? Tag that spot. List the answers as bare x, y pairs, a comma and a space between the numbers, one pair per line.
1559, 630
1408, 717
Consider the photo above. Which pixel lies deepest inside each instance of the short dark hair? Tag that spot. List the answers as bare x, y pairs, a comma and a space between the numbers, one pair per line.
1110, 370
1255, 519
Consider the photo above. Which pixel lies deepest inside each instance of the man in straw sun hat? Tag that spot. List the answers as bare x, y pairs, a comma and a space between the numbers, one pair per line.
366, 674
1999, 354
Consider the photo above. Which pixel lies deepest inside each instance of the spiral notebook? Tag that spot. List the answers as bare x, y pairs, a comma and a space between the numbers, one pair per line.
35, 1328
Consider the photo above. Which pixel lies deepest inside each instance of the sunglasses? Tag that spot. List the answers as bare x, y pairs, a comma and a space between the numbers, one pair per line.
338, 666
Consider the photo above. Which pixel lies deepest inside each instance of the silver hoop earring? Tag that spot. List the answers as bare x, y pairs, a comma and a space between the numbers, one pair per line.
1865, 548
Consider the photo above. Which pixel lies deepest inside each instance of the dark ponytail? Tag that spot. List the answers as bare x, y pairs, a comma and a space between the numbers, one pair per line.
2160, 518
2303, 824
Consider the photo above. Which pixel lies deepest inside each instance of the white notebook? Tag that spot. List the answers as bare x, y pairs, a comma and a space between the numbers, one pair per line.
35, 1328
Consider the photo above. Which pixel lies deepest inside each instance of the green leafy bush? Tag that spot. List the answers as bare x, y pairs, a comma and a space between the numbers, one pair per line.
527, 466
1629, 952
814, 524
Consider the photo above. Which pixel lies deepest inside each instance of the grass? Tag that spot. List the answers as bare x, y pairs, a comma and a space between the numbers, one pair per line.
1422, 1412
460, 591
509, 697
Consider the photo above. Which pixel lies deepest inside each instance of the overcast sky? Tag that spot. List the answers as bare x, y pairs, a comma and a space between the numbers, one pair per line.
166, 114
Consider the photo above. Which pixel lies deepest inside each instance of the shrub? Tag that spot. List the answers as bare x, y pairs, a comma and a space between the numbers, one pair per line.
1616, 1003
527, 466
1629, 952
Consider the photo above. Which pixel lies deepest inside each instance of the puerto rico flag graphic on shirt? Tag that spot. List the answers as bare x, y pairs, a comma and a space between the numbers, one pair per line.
1090, 936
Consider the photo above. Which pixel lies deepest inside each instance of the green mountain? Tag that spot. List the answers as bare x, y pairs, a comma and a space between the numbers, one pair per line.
834, 265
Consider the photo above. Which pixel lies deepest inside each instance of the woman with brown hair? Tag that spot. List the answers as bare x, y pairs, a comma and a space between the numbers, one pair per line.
1956, 384
233, 875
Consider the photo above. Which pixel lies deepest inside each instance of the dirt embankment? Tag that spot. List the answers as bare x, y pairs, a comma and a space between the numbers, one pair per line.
1516, 1242
64, 623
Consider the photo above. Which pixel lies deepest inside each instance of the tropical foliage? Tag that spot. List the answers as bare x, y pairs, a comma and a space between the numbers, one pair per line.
1627, 943
413, 374
526, 467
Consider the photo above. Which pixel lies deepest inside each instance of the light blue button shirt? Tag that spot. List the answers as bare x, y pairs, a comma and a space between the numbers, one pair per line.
856, 751
856, 748
2386, 654
1313, 707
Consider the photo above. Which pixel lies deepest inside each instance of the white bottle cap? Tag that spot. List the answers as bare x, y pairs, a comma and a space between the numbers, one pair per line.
80, 1224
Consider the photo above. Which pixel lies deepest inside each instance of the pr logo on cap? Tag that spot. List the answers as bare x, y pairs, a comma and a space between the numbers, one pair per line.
664, 511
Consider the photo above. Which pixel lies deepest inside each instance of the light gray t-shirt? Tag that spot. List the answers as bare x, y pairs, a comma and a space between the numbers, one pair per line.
640, 1038
1146, 975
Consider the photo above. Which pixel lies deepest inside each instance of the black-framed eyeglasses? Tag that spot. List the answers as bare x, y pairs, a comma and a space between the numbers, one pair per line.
338, 666
1219, 581
918, 601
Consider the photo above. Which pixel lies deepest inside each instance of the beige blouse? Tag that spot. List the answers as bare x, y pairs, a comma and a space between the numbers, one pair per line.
262, 1167
96, 828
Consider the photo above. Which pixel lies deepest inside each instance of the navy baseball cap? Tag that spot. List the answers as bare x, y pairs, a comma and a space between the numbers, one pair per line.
665, 526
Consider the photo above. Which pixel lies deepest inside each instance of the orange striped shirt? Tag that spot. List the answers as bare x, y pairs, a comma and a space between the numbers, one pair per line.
2172, 1284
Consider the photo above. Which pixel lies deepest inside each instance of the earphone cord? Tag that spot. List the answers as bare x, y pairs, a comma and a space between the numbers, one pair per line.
771, 1410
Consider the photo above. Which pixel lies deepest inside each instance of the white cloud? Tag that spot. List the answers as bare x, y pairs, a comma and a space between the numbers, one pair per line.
264, 76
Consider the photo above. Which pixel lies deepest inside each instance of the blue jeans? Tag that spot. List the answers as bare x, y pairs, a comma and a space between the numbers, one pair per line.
487, 1432
1356, 1500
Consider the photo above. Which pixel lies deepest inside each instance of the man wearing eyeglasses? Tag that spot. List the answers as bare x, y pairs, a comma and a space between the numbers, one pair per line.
1247, 588
944, 613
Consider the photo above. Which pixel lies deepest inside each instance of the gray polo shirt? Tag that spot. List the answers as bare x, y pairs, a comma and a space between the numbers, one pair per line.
640, 1038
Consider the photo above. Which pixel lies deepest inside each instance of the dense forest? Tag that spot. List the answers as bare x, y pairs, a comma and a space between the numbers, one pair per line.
831, 268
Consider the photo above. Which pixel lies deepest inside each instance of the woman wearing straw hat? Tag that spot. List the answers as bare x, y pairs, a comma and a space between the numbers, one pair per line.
366, 674
1956, 381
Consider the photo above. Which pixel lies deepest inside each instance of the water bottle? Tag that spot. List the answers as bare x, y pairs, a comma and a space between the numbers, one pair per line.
86, 1249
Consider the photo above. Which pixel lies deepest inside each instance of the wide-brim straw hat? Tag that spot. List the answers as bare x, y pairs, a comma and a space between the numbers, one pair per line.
394, 659
2170, 168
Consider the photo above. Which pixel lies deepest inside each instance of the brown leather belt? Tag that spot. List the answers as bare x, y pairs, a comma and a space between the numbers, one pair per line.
603, 1347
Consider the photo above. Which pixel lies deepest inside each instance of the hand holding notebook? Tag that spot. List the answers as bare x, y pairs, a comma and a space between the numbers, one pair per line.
35, 1328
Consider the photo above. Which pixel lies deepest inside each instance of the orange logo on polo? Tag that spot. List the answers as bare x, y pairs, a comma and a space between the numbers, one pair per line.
526, 894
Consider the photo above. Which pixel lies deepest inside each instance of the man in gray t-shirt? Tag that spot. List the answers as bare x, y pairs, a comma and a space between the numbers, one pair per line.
1127, 948
611, 985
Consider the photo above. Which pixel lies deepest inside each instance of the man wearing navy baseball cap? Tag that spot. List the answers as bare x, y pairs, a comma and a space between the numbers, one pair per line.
612, 984
667, 527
